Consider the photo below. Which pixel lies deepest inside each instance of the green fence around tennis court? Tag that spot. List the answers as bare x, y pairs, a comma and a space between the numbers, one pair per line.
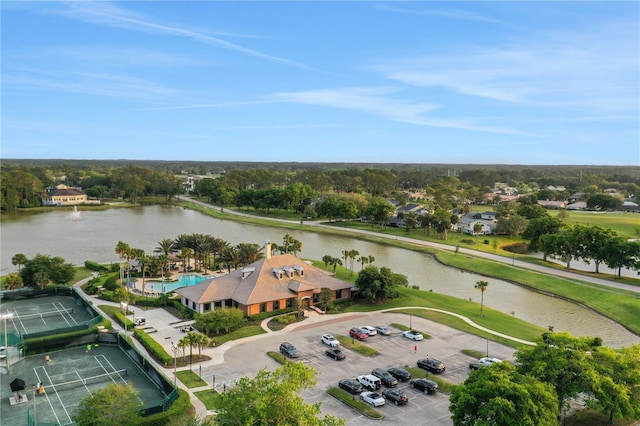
30, 293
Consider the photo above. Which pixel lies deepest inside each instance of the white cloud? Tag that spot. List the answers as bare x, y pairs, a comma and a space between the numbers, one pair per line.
450, 13
107, 13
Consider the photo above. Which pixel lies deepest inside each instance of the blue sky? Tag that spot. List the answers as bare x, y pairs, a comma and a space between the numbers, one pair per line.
405, 82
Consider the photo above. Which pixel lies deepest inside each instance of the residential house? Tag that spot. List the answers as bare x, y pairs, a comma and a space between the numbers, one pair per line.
62, 195
466, 223
269, 284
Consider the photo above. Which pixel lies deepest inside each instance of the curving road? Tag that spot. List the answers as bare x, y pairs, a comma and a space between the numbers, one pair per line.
566, 274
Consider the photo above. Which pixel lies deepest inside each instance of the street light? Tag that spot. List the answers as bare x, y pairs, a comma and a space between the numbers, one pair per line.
6, 340
175, 351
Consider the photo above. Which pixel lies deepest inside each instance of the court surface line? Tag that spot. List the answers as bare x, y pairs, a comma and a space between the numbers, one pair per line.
83, 381
20, 321
114, 369
58, 395
62, 312
46, 394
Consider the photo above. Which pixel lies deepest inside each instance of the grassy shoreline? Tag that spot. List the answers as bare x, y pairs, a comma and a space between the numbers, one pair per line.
618, 305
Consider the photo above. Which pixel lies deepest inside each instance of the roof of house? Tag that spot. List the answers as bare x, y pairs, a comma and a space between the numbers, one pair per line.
64, 192
273, 278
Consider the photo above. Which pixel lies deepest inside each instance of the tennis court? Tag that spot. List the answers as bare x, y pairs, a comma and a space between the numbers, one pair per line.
67, 377
36, 315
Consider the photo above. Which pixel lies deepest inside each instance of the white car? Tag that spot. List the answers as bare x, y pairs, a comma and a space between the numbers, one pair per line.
3, 352
375, 399
381, 329
413, 335
489, 361
329, 340
371, 331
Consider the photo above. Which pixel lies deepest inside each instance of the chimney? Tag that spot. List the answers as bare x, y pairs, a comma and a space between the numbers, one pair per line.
267, 250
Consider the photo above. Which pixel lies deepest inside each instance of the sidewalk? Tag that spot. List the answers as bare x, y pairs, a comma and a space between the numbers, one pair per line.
217, 353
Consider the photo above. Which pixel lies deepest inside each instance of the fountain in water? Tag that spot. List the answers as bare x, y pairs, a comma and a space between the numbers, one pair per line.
75, 214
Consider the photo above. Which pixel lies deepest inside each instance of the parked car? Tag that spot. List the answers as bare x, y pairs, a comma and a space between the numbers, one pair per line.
371, 331
400, 373
432, 364
383, 330
387, 379
413, 335
3, 352
424, 385
370, 382
334, 353
329, 340
356, 333
288, 350
484, 362
372, 398
396, 395
351, 386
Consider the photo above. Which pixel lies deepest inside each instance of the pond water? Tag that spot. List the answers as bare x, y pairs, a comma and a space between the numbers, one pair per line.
93, 235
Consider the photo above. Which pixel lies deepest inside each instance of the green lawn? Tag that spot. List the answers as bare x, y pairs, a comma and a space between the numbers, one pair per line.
190, 379
250, 330
625, 224
209, 398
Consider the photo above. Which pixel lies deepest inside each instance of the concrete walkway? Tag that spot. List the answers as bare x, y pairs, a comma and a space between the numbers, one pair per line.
217, 353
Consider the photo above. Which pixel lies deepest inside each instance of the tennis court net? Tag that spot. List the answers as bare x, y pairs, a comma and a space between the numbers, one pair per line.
73, 384
41, 315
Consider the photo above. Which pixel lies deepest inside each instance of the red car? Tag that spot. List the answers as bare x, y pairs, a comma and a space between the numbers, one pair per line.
359, 334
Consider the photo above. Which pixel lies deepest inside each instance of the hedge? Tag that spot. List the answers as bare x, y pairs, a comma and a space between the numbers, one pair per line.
154, 348
178, 409
264, 315
45, 343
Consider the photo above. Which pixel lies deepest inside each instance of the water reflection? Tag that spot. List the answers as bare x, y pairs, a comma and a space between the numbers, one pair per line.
95, 234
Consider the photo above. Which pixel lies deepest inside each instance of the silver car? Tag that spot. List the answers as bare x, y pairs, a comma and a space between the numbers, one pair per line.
373, 398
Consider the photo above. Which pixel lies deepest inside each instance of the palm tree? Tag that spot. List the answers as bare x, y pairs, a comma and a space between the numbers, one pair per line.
122, 249
218, 245
166, 247
371, 259
231, 255
352, 256
363, 261
335, 262
249, 253
201, 341
326, 259
345, 256
185, 254
182, 344
19, 259
482, 286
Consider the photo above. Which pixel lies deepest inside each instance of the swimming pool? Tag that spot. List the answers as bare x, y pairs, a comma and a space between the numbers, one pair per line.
183, 281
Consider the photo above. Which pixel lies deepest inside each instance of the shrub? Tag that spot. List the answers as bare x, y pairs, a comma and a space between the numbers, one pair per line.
177, 410
154, 348
486, 241
520, 248
467, 241
265, 315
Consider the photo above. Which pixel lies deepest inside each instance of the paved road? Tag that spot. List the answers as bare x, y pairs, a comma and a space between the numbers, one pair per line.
578, 278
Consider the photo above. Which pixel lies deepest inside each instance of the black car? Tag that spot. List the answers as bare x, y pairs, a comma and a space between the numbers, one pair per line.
351, 386
288, 350
396, 395
432, 364
400, 373
477, 365
336, 354
387, 379
424, 385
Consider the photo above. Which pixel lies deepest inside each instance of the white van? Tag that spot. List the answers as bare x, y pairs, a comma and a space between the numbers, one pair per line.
370, 382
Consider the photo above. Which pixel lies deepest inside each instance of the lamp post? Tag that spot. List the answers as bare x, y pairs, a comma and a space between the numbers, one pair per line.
175, 351
35, 414
6, 340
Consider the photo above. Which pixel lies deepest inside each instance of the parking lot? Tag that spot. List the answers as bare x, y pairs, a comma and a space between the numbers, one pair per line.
246, 358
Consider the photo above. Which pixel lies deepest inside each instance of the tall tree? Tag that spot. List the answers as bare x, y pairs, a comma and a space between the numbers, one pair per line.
115, 404
272, 398
614, 382
19, 259
482, 286
500, 396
